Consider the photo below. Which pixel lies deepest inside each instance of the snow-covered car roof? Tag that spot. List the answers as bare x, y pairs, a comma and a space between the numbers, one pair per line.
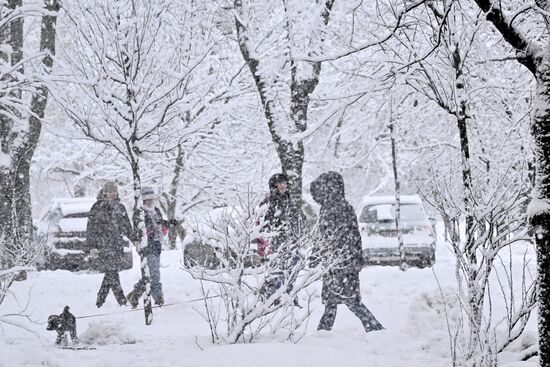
390, 199
55, 217
69, 206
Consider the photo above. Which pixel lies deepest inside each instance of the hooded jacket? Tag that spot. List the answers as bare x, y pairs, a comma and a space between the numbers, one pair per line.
340, 244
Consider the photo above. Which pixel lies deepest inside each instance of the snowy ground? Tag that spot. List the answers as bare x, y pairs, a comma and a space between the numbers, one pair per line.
404, 303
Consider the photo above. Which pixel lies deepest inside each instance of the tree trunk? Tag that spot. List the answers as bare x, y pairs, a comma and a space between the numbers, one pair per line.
540, 206
171, 200
16, 34
291, 154
397, 197
38, 108
469, 241
292, 163
475, 296
142, 246
16, 231
12, 237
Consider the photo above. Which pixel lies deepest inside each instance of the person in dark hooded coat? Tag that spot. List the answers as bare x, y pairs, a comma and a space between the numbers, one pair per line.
341, 250
108, 222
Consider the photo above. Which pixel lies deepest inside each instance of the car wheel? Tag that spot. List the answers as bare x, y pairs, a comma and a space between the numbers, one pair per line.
431, 260
425, 262
366, 259
421, 264
73, 267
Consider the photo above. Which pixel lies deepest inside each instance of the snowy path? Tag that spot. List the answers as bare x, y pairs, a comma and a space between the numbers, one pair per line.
415, 332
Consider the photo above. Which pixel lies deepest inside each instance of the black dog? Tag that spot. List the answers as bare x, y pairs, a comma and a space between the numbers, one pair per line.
63, 324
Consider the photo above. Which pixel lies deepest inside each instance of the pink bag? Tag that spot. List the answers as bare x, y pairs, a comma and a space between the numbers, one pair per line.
264, 248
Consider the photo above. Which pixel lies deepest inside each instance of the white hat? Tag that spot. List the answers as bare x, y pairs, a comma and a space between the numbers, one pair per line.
148, 193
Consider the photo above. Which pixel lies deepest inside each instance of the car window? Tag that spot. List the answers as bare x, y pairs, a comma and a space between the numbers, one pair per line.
386, 212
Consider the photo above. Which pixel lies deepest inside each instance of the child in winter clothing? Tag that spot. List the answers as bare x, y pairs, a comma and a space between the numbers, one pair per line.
156, 228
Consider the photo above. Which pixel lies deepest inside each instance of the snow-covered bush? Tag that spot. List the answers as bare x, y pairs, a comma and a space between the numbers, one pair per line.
247, 295
16, 260
495, 305
105, 333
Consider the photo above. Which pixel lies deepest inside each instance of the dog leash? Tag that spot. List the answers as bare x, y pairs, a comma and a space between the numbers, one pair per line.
141, 308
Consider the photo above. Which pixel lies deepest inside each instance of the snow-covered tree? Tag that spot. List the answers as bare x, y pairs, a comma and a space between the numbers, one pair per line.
458, 134
272, 37
245, 294
130, 76
23, 98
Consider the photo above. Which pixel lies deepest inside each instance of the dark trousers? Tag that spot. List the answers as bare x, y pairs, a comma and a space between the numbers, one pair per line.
370, 323
111, 280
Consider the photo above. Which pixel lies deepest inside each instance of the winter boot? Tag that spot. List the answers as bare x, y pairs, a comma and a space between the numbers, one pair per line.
100, 300
133, 299
327, 320
159, 301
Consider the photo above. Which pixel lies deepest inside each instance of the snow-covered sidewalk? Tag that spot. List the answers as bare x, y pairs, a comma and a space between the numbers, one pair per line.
406, 303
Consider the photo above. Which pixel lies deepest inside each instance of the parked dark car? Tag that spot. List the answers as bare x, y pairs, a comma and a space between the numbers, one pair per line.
380, 236
63, 228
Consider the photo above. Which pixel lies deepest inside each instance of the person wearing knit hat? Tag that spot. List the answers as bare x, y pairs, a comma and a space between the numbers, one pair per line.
148, 193
107, 225
110, 186
156, 228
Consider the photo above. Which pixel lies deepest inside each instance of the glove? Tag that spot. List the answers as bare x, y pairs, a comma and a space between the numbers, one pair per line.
143, 251
138, 234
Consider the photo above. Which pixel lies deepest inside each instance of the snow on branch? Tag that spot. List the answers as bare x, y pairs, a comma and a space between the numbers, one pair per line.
246, 292
15, 270
525, 48
537, 207
399, 18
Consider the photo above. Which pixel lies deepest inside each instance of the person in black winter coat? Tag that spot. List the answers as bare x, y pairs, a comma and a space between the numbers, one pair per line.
341, 250
108, 222
278, 224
